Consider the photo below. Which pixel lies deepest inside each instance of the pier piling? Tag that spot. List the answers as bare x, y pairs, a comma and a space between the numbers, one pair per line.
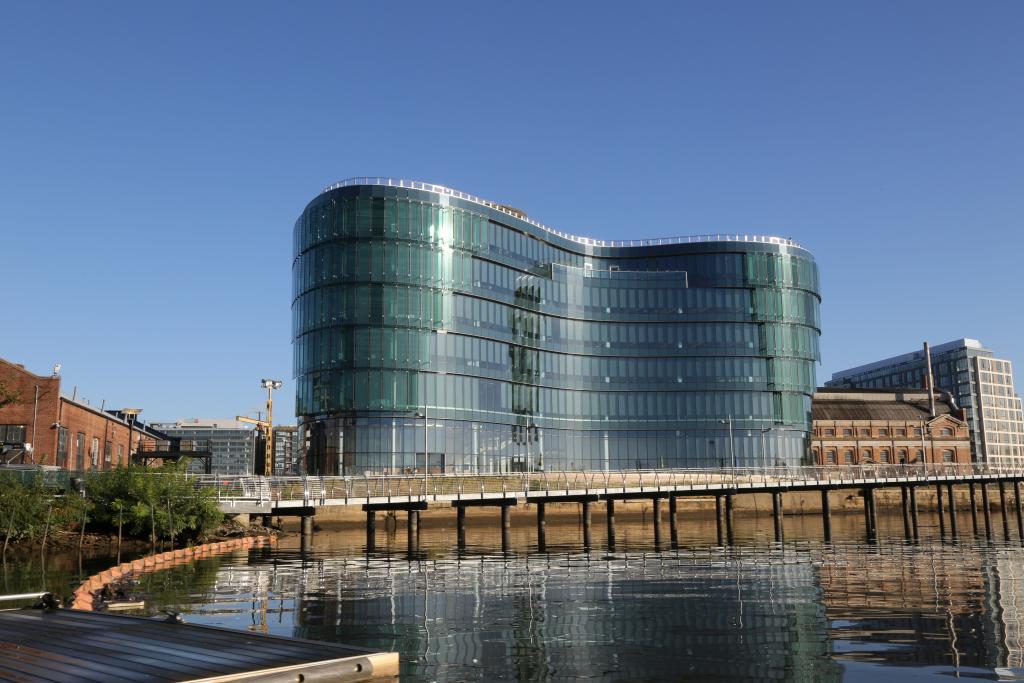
460, 525
826, 516
718, 519
656, 502
913, 511
974, 508
542, 527
986, 510
728, 519
905, 507
1020, 516
1002, 509
777, 515
371, 529
610, 519
672, 525
586, 523
939, 510
952, 510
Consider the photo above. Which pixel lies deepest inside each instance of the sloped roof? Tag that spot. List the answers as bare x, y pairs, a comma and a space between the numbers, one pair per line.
865, 404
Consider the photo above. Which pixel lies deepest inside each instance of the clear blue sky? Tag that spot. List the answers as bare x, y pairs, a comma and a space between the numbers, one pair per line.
154, 156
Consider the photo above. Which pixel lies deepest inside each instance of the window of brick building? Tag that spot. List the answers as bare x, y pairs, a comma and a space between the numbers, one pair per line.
62, 447
919, 454
883, 431
107, 448
94, 451
847, 432
901, 432
948, 455
831, 457
12, 433
864, 431
917, 431
120, 454
865, 455
884, 457
946, 431
903, 455
848, 456
80, 451
830, 432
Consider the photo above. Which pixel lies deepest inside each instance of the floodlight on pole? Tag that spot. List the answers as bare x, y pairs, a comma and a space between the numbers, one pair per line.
268, 453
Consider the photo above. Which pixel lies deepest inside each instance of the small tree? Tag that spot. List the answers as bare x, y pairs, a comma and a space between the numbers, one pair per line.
8, 396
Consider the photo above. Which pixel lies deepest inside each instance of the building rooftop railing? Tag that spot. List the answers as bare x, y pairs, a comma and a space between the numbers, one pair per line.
441, 189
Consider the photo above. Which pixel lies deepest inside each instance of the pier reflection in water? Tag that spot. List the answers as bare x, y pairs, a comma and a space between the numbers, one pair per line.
758, 610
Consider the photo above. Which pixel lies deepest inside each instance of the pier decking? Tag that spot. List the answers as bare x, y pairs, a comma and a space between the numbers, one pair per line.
65, 646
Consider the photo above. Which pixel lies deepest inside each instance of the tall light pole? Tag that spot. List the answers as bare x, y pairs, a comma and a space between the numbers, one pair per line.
764, 456
268, 452
732, 446
426, 448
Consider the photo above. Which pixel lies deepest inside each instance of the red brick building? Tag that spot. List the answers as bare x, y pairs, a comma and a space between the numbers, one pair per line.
877, 426
62, 431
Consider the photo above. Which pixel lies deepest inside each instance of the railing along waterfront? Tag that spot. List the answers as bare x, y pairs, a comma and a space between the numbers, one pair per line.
313, 491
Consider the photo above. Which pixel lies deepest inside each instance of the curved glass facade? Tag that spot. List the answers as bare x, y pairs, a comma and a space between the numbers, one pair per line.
425, 321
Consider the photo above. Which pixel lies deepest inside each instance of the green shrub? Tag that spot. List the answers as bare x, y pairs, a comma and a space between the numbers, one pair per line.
151, 499
26, 503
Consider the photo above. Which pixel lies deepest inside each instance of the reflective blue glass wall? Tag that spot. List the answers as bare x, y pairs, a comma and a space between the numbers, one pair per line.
523, 349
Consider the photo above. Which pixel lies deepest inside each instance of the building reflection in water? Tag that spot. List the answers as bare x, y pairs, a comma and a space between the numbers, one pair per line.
750, 614
757, 611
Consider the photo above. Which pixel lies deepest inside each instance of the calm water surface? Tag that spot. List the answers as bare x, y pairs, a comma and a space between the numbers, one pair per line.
758, 610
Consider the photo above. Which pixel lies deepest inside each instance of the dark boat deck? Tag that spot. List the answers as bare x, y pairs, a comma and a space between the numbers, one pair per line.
67, 646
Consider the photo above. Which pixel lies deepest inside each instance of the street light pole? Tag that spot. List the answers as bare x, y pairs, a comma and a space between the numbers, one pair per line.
268, 451
732, 447
764, 456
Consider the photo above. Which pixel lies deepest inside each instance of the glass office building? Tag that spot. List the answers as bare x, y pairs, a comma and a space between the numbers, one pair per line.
437, 330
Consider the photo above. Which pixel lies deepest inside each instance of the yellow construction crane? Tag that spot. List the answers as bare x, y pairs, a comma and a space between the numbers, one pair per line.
267, 426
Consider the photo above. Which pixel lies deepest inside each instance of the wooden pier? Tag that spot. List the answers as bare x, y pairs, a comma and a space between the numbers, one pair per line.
411, 494
65, 646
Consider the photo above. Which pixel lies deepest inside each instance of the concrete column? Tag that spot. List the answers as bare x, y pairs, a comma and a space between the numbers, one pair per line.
974, 508
913, 510
826, 516
986, 510
718, 519
777, 515
541, 528
905, 505
460, 525
1020, 516
1002, 507
672, 524
371, 529
586, 524
952, 510
728, 518
939, 511
307, 526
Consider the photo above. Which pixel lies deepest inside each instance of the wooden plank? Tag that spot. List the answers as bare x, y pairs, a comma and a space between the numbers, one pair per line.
65, 646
